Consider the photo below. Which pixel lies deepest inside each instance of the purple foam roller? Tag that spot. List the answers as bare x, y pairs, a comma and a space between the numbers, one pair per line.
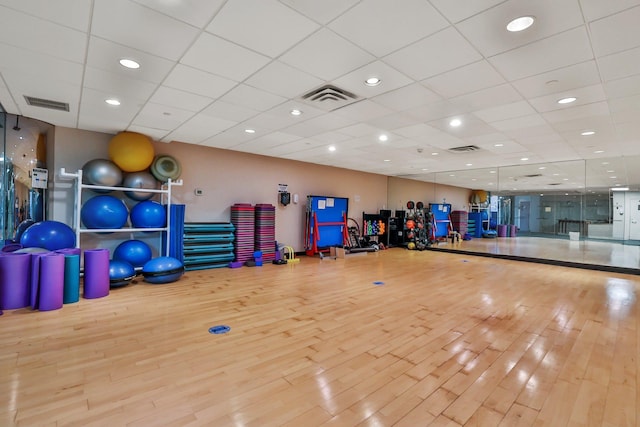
96, 273
14, 280
51, 282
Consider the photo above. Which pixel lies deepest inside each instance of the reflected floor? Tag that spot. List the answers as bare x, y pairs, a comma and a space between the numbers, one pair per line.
591, 252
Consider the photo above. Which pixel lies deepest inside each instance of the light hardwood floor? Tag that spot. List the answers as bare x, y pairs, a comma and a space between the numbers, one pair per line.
446, 340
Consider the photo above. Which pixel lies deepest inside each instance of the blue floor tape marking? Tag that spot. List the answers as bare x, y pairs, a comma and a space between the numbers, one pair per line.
219, 329
378, 283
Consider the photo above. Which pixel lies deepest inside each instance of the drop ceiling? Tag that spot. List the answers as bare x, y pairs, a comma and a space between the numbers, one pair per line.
209, 70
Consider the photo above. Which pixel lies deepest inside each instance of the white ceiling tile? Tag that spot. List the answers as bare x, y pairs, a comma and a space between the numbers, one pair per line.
505, 111
487, 98
198, 82
199, 128
155, 134
6, 99
70, 13
616, 33
487, 31
418, 60
45, 37
283, 80
437, 110
558, 51
225, 140
363, 111
95, 113
411, 20
265, 26
360, 130
117, 84
120, 21
560, 80
249, 97
162, 117
585, 95
619, 65
326, 55
195, 12
179, 99
594, 109
623, 87
519, 122
228, 111
455, 13
470, 78
322, 12
595, 9
390, 80
206, 53
24, 84
471, 126
393, 121
630, 103
48, 67
407, 97
106, 55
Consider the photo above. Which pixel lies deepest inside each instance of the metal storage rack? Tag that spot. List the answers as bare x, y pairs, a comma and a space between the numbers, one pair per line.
165, 198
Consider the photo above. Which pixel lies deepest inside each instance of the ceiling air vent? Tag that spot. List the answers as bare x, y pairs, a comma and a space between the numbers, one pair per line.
465, 149
329, 98
533, 175
46, 103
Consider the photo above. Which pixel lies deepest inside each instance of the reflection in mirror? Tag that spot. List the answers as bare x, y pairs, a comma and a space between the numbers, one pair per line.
25, 149
584, 212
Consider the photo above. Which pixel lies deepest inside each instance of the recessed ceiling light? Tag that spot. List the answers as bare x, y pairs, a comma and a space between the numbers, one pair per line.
524, 159
452, 174
455, 123
613, 177
492, 171
605, 163
112, 101
588, 133
434, 154
498, 145
598, 152
372, 81
332, 148
610, 171
469, 164
542, 168
386, 160
520, 24
296, 112
250, 130
129, 63
383, 138
567, 100
425, 169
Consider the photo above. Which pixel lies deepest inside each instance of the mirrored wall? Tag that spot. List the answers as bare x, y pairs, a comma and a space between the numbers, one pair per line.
574, 211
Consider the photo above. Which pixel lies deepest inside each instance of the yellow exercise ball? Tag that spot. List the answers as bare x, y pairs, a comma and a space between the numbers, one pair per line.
131, 151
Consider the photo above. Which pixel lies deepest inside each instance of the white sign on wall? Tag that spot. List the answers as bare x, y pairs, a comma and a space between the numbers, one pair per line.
39, 178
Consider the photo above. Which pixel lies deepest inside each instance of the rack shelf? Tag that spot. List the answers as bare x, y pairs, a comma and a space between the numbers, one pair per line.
164, 191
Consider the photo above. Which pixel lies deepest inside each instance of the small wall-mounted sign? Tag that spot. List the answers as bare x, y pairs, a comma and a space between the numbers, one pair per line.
39, 178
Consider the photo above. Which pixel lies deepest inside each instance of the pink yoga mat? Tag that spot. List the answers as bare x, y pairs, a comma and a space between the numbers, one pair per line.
96, 273
14, 280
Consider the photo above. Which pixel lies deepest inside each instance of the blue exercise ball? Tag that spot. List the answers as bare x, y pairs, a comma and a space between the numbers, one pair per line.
22, 227
164, 269
104, 212
135, 252
121, 273
50, 235
142, 179
148, 214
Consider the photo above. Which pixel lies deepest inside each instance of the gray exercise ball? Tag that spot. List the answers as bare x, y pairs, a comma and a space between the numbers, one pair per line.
101, 172
140, 180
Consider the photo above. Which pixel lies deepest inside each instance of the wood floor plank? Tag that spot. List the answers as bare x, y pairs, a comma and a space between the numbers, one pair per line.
446, 340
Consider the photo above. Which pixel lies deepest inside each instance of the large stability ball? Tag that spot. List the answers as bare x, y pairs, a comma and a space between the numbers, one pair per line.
101, 172
121, 273
50, 235
131, 151
135, 252
141, 179
165, 167
164, 269
104, 212
148, 214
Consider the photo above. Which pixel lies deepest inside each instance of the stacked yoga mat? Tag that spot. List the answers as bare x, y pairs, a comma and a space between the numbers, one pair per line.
243, 219
265, 220
208, 245
47, 280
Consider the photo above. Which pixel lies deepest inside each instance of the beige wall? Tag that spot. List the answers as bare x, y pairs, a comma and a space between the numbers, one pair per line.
402, 190
228, 177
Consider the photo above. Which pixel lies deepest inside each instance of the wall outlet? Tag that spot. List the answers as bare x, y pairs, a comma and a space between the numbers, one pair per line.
198, 191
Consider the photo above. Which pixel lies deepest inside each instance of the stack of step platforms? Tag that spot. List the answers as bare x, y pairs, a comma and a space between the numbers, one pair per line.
460, 221
208, 245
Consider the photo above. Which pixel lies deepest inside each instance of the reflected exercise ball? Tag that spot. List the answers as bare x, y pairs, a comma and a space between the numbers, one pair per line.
50, 235
104, 212
135, 252
148, 214
101, 172
139, 180
131, 151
